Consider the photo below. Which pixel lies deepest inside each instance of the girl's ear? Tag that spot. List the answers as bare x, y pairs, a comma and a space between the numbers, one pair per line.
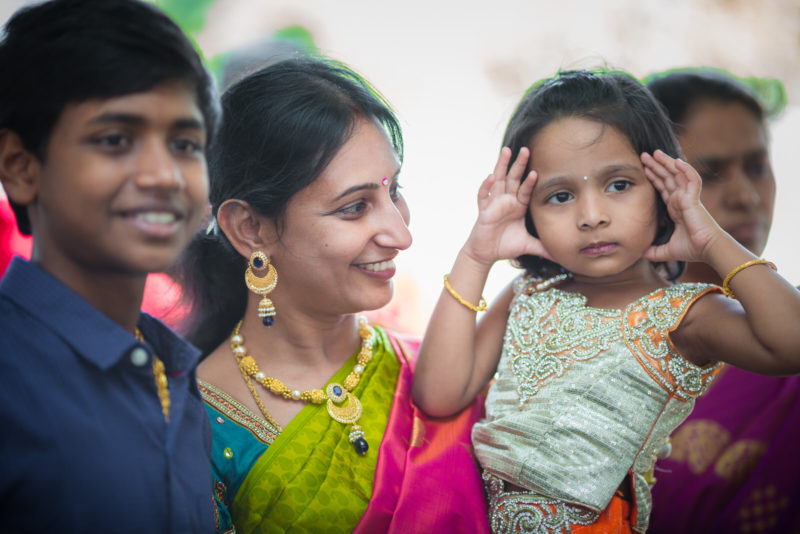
246, 230
19, 169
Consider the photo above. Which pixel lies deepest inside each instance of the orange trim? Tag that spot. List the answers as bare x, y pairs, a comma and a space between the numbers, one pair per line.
617, 518
658, 368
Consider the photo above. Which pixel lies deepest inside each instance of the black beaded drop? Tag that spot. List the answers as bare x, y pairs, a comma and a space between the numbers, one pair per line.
361, 446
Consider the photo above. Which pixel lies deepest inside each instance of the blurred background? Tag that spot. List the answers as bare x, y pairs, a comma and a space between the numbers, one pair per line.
454, 71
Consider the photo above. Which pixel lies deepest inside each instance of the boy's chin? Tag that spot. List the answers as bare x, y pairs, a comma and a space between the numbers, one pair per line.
146, 263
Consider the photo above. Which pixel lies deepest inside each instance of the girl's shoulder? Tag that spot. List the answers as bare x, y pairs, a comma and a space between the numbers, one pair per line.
676, 297
666, 307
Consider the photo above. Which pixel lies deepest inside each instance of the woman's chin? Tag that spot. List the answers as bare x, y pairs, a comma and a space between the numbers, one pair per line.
379, 301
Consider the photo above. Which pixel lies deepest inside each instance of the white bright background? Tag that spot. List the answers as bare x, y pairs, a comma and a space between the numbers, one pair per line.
454, 70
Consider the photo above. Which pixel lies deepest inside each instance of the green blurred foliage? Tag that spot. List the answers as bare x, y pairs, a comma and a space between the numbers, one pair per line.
190, 15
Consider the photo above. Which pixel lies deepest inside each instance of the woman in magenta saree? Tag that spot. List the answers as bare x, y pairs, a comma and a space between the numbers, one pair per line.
733, 466
310, 406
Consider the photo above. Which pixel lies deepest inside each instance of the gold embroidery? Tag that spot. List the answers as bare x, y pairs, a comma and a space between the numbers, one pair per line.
417, 433
761, 510
739, 460
238, 413
698, 443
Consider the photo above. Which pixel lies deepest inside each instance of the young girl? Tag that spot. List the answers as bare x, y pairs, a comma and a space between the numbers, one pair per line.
598, 358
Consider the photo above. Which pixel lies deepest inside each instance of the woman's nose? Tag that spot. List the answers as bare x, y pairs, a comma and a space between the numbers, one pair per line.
740, 190
394, 232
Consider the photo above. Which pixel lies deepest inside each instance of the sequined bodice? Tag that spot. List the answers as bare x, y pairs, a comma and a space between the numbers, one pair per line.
585, 395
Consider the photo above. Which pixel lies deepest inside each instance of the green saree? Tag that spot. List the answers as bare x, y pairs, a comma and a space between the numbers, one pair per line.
309, 477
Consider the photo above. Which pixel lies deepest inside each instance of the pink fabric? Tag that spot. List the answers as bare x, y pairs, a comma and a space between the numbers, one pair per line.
11, 241
427, 478
162, 299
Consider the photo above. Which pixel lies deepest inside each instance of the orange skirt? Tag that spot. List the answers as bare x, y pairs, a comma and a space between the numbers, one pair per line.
615, 519
523, 511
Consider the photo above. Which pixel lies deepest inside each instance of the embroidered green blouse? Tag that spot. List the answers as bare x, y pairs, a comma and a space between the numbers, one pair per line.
585, 396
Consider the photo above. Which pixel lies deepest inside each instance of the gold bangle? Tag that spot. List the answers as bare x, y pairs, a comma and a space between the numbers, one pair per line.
727, 290
480, 307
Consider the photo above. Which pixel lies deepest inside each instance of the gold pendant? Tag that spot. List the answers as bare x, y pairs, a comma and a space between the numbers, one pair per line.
343, 406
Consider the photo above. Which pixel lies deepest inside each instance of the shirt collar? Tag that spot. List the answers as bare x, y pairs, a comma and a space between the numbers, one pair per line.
89, 332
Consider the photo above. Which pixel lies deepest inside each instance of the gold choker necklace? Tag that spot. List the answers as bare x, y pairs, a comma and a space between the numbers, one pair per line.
343, 406
160, 375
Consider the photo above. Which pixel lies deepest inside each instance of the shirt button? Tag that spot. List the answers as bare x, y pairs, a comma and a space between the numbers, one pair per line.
139, 356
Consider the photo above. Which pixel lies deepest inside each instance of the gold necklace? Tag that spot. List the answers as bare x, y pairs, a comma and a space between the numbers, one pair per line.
342, 405
160, 376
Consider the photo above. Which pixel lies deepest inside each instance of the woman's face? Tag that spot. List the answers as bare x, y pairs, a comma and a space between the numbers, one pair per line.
341, 233
727, 145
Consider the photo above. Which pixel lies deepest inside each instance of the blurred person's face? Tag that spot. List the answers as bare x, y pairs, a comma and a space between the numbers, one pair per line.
727, 145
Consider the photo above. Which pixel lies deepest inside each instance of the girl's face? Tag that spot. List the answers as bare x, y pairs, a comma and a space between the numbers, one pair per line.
341, 233
593, 207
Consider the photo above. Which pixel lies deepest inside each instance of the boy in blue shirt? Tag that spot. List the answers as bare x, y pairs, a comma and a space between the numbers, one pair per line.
105, 112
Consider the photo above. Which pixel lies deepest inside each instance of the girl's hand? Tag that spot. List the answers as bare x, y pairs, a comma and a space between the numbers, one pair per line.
679, 185
503, 199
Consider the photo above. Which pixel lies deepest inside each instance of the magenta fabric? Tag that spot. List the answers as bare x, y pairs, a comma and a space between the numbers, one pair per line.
427, 478
11, 241
735, 465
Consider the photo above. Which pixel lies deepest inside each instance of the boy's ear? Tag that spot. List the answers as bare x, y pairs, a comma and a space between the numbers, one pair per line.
19, 169
245, 229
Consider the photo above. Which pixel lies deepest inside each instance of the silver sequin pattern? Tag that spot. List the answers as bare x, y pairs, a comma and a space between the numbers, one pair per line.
584, 395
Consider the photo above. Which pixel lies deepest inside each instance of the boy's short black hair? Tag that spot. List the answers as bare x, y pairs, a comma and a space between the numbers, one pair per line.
62, 52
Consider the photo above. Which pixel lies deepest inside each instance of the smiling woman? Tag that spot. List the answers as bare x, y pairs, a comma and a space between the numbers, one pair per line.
314, 428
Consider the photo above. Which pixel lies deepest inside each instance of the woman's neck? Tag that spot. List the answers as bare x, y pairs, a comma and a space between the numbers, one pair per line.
301, 339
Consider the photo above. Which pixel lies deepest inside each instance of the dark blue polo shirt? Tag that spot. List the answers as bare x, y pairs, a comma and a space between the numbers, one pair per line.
83, 443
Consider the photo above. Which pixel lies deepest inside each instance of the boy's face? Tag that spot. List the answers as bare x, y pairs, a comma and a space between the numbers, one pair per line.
124, 184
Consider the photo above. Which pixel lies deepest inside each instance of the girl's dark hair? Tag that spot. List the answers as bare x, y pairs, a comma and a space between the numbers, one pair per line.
611, 98
282, 125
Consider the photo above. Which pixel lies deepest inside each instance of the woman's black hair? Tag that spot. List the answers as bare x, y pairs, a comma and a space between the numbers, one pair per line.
678, 91
282, 125
608, 97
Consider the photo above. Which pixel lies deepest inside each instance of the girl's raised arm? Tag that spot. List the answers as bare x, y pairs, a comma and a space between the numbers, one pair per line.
456, 358
759, 331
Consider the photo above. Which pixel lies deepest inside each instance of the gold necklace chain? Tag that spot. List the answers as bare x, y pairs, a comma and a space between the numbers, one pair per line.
342, 405
160, 376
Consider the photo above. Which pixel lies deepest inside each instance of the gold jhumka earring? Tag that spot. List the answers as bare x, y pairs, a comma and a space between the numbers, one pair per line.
261, 278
